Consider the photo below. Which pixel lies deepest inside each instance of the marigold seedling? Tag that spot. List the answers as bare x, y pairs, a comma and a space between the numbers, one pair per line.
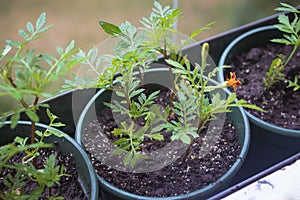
291, 36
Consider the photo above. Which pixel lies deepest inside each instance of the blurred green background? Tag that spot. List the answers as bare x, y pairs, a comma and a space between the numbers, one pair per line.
78, 20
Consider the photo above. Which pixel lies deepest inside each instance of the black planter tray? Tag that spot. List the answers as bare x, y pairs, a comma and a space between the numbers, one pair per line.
261, 156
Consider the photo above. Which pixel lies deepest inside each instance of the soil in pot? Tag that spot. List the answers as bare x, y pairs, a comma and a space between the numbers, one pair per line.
180, 177
69, 187
280, 102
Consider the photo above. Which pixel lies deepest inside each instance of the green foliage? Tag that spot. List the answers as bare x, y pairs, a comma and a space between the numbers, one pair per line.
45, 177
291, 36
25, 76
194, 107
189, 111
294, 84
274, 74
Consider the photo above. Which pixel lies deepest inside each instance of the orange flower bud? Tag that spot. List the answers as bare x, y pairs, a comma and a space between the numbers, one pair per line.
232, 81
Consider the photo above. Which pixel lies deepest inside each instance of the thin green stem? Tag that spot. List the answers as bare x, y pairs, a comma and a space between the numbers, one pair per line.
291, 55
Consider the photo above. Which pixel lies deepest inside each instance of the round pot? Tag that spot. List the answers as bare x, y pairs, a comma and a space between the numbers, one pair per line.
277, 135
65, 145
161, 75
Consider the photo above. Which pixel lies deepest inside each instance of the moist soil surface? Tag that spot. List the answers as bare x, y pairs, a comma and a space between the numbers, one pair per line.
188, 173
281, 103
69, 187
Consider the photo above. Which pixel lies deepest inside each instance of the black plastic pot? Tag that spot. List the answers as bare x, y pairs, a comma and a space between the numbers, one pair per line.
65, 145
161, 76
260, 36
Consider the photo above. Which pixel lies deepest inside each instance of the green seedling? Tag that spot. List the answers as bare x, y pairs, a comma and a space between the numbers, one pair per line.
25, 76
291, 36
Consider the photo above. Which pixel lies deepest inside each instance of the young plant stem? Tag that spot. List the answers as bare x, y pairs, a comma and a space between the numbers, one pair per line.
36, 100
291, 54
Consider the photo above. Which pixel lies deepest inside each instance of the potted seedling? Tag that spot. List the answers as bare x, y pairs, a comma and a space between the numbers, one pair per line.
266, 60
153, 125
38, 161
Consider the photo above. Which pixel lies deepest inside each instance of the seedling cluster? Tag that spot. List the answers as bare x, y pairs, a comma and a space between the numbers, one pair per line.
190, 107
25, 76
291, 36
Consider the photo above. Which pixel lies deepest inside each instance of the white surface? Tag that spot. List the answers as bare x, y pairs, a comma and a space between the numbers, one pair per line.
283, 184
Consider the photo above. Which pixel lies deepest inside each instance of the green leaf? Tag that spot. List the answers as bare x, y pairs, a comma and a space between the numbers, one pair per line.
109, 28
128, 158
185, 139
50, 115
70, 46
41, 21
59, 50
23, 34
280, 40
20, 141
158, 137
30, 27
136, 92
57, 124
39, 133
32, 115
56, 133
14, 119
287, 8
294, 84
118, 151
174, 64
13, 43
197, 32
231, 98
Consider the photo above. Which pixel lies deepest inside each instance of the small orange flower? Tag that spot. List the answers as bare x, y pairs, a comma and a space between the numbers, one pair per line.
232, 81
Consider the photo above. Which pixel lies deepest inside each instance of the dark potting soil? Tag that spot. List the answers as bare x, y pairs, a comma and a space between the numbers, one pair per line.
69, 187
180, 177
281, 103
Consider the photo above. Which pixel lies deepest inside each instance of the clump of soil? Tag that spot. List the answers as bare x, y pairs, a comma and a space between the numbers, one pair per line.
69, 187
180, 177
280, 102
